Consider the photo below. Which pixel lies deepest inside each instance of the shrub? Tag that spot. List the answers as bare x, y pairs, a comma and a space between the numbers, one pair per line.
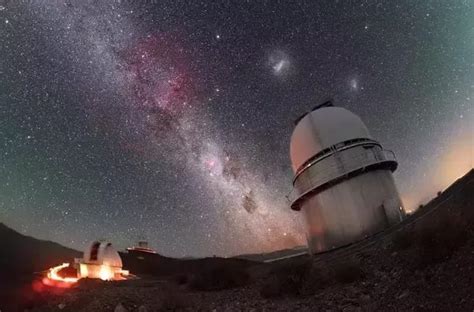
173, 299
220, 277
402, 240
437, 242
296, 280
305, 278
319, 277
182, 279
90, 283
286, 280
347, 272
272, 288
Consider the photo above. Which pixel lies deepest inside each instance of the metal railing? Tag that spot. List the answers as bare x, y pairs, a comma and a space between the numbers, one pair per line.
334, 167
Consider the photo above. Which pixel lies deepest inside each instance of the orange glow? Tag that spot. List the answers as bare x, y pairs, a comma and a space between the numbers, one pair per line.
53, 279
53, 274
106, 273
83, 270
457, 161
59, 284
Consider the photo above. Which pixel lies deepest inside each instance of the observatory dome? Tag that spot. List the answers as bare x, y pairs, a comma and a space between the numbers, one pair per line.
343, 179
322, 128
102, 253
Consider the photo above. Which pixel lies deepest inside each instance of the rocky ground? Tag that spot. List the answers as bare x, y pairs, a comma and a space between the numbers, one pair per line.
388, 283
425, 265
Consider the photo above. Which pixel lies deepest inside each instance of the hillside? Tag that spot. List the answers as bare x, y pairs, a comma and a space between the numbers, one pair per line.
23, 255
20, 254
159, 266
20, 257
262, 257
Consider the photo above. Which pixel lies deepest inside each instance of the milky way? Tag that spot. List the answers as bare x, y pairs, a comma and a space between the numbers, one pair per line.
171, 121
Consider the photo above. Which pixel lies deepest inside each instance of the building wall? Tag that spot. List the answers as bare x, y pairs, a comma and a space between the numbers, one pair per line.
351, 210
101, 271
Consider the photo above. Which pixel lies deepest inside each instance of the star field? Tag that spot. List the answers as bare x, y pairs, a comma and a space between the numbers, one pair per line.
170, 121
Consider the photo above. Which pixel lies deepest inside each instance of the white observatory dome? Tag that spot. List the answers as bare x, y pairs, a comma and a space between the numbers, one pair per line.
343, 179
321, 129
102, 253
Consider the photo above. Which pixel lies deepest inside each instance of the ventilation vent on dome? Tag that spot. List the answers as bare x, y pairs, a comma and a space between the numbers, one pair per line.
325, 104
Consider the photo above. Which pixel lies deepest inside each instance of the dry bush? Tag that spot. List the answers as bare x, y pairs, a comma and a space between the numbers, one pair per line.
437, 242
347, 271
402, 240
174, 300
272, 288
220, 277
434, 241
90, 283
296, 279
182, 279
286, 280
319, 277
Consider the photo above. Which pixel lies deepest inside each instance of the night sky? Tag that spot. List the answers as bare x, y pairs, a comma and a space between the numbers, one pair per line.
170, 121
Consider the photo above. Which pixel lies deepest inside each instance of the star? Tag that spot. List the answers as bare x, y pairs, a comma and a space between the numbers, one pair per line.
354, 84
138, 124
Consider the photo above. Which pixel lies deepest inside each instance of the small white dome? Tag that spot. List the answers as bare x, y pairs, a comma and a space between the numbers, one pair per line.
322, 128
102, 253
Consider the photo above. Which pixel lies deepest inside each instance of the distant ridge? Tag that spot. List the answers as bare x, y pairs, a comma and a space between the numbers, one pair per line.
21, 254
262, 257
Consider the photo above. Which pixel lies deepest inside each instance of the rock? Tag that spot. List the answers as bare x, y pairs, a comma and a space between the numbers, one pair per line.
350, 301
61, 306
120, 308
404, 294
142, 309
351, 309
365, 299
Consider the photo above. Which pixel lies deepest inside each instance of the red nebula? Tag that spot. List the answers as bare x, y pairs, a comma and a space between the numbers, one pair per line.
158, 75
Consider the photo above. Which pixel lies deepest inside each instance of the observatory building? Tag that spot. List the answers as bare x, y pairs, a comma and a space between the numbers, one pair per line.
343, 179
102, 261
